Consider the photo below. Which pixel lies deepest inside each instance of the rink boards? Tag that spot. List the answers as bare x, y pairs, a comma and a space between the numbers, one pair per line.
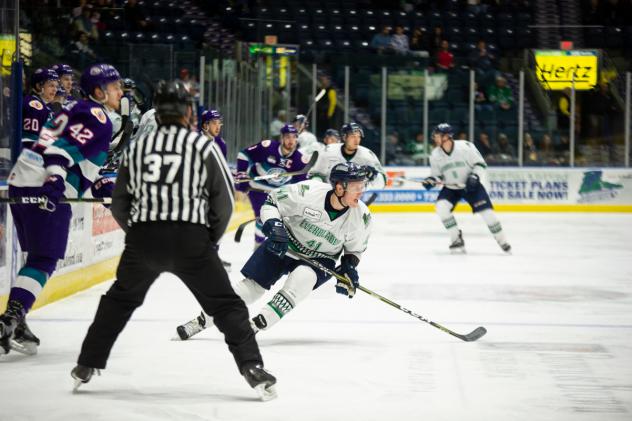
96, 242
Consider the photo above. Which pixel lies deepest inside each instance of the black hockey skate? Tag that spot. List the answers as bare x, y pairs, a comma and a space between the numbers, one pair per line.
258, 323
191, 328
24, 341
506, 248
8, 323
458, 246
260, 380
82, 374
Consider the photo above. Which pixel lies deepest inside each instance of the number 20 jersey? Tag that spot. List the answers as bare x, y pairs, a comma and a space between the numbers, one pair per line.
73, 145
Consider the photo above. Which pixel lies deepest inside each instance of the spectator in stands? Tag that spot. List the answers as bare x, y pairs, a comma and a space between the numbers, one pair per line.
481, 59
399, 41
395, 153
475, 6
83, 23
417, 148
445, 59
530, 153
81, 51
381, 41
563, 150
419, 44
548, 155
483, 144
564, 110
504, 152
601, 109
500, 94
134, 16
480, 99
436, 39
186, 80
275, 125
461, 136
326, 108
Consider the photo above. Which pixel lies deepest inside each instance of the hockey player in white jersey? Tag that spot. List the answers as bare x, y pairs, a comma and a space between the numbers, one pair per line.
350, 150
319, 221
459, 167
307, 141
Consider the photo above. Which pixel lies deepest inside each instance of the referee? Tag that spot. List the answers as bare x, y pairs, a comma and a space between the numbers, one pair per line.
173, 198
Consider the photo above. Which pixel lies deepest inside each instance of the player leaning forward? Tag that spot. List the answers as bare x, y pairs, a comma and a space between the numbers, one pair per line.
459, 166
316, 220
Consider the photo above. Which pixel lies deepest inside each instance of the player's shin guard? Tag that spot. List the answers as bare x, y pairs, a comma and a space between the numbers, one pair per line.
297, 287
444, 210
495, 228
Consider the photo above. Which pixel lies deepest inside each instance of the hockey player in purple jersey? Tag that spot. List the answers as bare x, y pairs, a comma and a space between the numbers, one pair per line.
269, 157
211, 126
66, 76
65, 162
35, 110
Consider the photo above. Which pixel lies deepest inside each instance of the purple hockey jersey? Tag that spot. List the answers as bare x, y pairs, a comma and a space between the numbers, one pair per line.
35, 114
73, 145
265, 158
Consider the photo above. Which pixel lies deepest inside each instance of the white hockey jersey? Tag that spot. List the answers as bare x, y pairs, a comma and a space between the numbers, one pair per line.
147, 124
312, 232
455, 167
333, 155
308, 143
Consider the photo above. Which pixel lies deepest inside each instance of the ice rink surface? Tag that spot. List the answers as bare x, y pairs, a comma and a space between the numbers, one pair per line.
559, 344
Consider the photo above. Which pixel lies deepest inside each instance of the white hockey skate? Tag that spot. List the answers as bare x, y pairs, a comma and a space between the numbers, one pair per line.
458, 245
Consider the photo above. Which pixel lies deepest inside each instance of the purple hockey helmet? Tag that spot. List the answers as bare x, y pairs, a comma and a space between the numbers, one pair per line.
42, 75
209, 115
62, 69
98, 76
288, 128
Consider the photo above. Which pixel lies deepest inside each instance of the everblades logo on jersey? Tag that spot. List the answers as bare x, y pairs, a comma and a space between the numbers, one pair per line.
36, 104
99, 114
595, 189
366, 217
312, 214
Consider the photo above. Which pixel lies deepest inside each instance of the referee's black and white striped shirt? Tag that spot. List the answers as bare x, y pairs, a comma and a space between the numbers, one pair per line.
174, 174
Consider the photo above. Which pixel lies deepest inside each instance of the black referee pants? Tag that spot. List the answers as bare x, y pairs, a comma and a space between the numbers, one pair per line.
186, 251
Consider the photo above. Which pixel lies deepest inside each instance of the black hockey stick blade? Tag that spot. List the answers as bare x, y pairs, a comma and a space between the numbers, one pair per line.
241, 228
477, 333
371, 199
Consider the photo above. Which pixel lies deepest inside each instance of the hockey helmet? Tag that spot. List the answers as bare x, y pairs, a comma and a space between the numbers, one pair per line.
209, 115
288, 129
443, 128
350, 128
43, 75
171, 101
346, 172
62, 69
98, 76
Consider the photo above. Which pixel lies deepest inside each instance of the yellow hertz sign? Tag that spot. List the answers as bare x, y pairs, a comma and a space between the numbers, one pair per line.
558, 69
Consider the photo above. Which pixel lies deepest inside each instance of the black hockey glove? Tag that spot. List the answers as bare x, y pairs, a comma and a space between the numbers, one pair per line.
371, 172
347, 269
277, 240
472, 183
429, 182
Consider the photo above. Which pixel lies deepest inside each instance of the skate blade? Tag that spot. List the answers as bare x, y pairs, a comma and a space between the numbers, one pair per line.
26, 348
458, 250
78, 382
266, 393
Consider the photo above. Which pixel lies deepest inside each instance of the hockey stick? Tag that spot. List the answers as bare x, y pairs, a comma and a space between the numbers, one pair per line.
317, 98
242, 227
43, 203
304, 170
470, 337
